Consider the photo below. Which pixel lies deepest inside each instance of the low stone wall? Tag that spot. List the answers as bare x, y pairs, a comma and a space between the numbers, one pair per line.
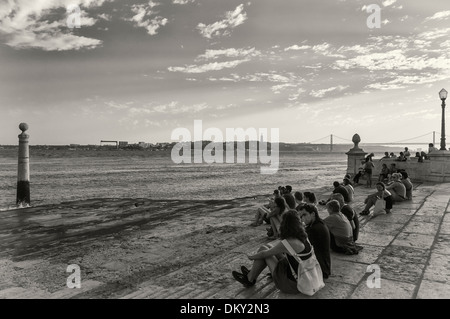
416, 171
436, 169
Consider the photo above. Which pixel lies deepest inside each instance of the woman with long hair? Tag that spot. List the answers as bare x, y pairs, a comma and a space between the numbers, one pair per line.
277, 258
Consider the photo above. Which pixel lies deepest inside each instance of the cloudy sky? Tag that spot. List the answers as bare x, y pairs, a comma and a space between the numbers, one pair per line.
135, 70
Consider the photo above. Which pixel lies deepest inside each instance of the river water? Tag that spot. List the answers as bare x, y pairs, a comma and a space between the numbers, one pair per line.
57, 176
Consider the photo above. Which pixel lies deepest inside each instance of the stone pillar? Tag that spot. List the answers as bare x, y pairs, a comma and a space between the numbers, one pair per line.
23, 172
439, 170
355, 156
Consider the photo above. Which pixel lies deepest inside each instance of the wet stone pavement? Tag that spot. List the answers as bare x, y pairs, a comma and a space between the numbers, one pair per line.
146, 249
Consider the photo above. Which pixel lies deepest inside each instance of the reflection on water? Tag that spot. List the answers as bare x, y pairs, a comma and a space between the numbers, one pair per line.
55, 179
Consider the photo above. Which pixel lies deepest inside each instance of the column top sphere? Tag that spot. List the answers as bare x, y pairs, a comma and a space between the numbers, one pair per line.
23, 127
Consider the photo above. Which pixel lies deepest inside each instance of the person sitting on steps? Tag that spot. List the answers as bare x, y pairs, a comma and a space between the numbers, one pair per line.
397, 188
277, 258
372, 199
263, 211
338, 189
275, 217
341, 232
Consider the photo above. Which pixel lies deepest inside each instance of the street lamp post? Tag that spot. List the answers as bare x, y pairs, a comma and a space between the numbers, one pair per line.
443, 96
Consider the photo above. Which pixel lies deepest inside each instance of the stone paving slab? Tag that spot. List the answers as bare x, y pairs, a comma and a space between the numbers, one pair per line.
401, 269
347, 272
421, 227
395, 218
400, 210
375, 239
414, 240
433, 290
426, 219
445, 228
438, 268
332, 290
442, 244
431, 210
368, 255
388, 289
379, 227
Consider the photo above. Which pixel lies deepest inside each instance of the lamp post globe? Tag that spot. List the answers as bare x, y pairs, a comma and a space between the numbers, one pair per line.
443, 94
443, 97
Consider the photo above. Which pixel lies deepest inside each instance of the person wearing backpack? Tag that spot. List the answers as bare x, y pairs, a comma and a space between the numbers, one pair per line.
276, 256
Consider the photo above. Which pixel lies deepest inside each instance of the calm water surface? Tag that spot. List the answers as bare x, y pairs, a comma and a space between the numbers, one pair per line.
57, 176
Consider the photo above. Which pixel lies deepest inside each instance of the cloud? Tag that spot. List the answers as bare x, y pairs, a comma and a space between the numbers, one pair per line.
39, 24
223, 27
214, 66
183, 1
143, 12
326, 50
434, 34
172, 107
439, 16
321, 93
229, 53
387, 3
296, 47
404, 81
105, 16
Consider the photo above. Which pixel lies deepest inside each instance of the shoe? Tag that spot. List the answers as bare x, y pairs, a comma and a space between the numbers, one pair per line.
364, 212
358, 247
244, 270
243, 279
388, 211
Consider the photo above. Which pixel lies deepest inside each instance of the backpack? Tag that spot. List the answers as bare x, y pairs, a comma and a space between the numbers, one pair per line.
309, 274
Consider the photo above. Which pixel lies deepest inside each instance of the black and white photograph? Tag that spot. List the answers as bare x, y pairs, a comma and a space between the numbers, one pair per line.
224, 155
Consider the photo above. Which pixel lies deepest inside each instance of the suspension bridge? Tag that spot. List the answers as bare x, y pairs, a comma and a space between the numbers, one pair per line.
424, 139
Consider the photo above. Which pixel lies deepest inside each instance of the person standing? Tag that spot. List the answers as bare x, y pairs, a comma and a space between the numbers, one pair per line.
406, 153
368, 167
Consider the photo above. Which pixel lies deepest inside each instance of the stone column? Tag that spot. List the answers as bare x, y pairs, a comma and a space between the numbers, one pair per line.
23, 172
355, 156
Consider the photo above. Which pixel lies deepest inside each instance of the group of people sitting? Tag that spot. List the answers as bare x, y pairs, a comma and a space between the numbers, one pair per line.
295, 218
398, 188
406, 155
402, 157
